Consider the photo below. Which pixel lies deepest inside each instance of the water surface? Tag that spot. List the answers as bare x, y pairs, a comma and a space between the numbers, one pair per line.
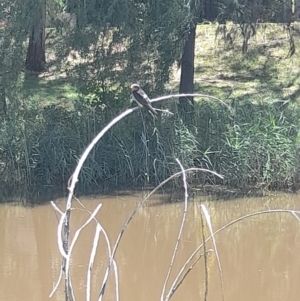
259, 256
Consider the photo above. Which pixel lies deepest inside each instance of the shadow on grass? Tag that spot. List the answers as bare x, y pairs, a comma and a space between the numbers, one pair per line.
59, 91
264, 73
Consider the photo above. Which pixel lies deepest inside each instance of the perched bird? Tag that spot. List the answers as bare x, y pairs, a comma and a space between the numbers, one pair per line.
142, 99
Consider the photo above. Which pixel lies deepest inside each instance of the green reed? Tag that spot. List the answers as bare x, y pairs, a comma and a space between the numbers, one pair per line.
255, 146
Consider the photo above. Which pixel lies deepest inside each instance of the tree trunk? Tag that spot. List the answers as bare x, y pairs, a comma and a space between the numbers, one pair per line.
35, 58
297, 10
186, 104
287, 11
3, 107
210, 10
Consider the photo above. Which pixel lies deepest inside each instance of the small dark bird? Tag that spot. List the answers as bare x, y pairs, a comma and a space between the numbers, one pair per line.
142, 99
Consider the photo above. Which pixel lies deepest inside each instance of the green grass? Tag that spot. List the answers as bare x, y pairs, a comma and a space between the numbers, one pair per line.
265, 72
48, 88
49, 91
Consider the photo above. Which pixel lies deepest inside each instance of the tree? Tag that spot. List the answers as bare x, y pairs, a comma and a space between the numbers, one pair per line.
3, 105
35, 58
287, 11
297, 10
246, 13
186, 104
13, 34
210, 10
134, 40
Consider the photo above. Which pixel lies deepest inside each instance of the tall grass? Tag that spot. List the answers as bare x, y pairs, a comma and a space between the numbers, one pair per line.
254, 147
39, 147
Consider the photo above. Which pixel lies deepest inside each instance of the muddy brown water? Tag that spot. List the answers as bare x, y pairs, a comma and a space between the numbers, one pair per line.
259, 256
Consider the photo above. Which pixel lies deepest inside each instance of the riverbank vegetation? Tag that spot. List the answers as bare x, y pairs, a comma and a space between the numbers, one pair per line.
54, 108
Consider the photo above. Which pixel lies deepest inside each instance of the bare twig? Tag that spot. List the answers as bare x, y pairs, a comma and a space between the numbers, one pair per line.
67, 267
60, 241
296, 216
193, 95
57, 283
293, 212
91, 262
187, 272
95, 244
208, 221
166, 111
180, 231
56, 208
205, 259
194, 169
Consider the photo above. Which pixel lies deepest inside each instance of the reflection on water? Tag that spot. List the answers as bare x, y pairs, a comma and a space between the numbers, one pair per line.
259, 256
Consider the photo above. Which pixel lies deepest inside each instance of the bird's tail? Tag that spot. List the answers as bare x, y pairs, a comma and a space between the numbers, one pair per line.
153, 114
152, 110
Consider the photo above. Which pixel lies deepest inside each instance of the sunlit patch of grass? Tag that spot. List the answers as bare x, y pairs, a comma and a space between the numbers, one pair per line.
265, 72
57, 90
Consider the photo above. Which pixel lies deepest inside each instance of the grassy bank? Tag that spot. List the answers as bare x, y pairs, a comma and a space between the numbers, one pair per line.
50, 124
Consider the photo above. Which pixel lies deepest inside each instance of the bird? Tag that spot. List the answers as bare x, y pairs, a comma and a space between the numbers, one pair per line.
142, 99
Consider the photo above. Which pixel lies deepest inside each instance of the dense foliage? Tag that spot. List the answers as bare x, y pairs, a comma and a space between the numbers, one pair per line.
253, 148
102, 47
